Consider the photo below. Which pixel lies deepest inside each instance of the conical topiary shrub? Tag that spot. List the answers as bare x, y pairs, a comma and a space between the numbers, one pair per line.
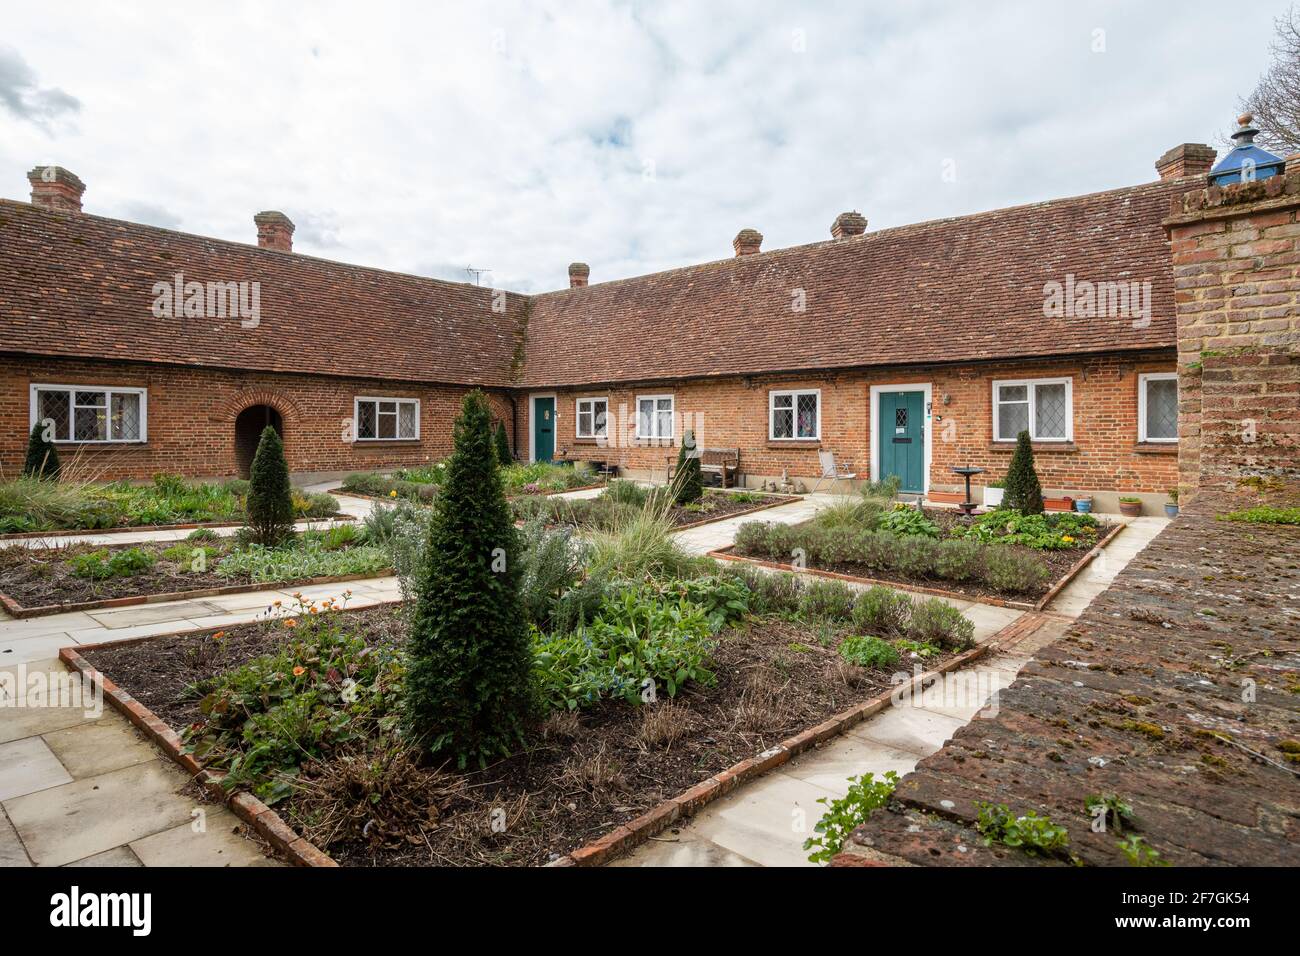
469, 691
1023, 492
687, 481
269, 507
503, 445
42, 458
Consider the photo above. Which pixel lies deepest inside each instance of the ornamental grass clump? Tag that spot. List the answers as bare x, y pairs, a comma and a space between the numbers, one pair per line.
269, 506
469, 690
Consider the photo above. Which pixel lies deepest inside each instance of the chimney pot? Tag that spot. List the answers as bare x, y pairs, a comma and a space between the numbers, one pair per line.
1187, 159
747, 242
274, 231
849, 224
56, 189
578, 274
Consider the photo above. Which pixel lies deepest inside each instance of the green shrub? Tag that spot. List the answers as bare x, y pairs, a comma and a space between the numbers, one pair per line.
626, 492
936, 622
868, 652
724, 599
314, 504
1041, 532
1014, 572
504, 457
269, 507
306, 558
846, 814
1023, 491
882, 610
202, 534
42, 457
916, 557
782, 593
958, 560
637, 639
905, 522
100, 565
688, 483
469, 682
380, 524
826, 601
552, 564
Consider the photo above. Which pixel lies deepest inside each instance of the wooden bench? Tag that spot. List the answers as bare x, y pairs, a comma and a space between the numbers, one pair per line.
725, 462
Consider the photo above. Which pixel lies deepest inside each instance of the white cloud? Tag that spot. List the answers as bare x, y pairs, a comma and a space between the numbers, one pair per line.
518, 136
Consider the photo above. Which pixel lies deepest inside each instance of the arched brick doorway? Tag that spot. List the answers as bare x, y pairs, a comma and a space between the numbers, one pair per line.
248, 430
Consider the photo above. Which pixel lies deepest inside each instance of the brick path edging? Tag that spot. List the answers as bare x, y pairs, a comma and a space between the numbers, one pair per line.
635, 832
14, 609
265, 821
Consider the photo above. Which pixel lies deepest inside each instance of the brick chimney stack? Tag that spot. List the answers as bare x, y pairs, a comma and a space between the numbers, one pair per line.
56, 189
274, 231
1293, 164
747, 242
848, 224
1188, 159
578, 274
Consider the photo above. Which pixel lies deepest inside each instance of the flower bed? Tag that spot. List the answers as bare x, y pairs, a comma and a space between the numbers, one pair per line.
623, 499
1002, 555
49, 580
421, 484
29, 507
304, 716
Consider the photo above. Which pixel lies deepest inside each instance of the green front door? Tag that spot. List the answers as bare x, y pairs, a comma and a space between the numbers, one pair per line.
543, 429
902, 439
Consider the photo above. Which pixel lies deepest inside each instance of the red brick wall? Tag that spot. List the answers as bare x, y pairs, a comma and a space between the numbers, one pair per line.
191, 418
1236, 256
1104, 456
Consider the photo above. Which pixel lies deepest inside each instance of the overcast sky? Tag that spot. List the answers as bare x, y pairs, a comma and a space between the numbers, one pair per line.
518, 137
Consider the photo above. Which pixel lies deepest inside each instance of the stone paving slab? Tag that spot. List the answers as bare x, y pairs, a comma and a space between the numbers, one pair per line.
217, 844
85, 817
98, 747
28, 766
118, 856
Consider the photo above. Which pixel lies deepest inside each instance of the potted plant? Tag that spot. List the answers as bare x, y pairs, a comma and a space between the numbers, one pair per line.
1083, 504
1171, 506
993, 493
1130, 507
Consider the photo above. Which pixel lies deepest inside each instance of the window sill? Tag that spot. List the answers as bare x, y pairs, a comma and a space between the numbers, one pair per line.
591, 441
796, 443
1156, 448
97, 445
1065, 447
383, 442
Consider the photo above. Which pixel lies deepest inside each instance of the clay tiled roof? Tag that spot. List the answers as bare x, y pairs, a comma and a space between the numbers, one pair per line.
967, 288
950, 290
80, 285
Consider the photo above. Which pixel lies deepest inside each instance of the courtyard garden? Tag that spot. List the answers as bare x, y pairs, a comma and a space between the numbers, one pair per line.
536, 689
623, 499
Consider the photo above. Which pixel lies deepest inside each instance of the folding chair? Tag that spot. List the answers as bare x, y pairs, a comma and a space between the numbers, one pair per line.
830, 472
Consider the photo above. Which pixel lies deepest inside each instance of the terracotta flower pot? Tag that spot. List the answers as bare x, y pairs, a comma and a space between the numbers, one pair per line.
1130, 509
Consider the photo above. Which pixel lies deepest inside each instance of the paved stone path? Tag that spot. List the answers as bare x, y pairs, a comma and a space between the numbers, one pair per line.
87, 789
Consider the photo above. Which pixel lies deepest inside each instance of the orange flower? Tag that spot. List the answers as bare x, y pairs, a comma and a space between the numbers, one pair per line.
276, 604
291, 622
299, 671
219, 635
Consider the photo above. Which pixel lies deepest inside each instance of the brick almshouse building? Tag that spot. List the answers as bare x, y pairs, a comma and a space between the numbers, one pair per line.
908, 350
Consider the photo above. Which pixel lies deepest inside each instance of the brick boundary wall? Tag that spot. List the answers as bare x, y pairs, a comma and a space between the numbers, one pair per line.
1236, 258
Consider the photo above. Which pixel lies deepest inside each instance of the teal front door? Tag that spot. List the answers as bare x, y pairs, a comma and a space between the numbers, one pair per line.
901, 428
543, 429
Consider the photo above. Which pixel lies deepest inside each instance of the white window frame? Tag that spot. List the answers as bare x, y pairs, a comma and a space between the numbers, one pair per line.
1067, 381
578, 410
672, 417
1143, 378
356, 416
109, 391
794, 394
